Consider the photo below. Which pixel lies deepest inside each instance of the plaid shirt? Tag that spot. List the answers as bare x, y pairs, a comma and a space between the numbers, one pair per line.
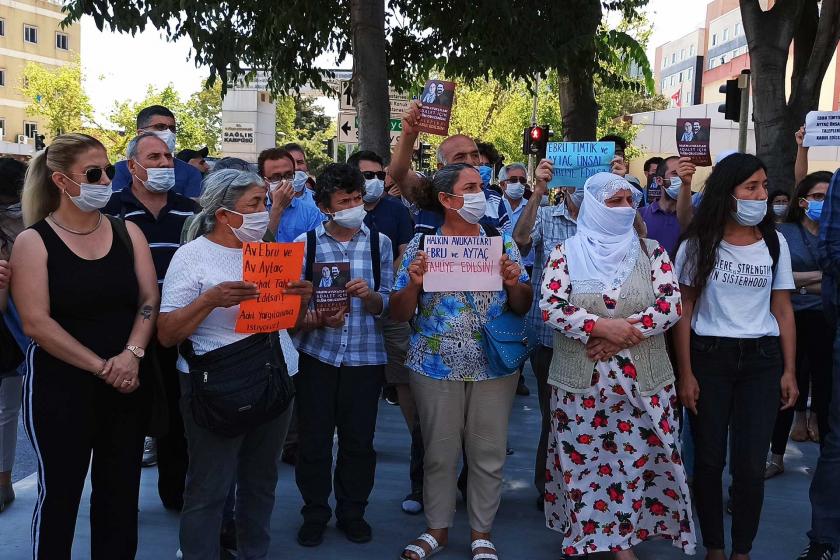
359, 341
552, 227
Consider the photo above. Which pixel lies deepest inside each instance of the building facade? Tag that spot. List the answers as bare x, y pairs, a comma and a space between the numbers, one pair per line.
30, 31
678, 69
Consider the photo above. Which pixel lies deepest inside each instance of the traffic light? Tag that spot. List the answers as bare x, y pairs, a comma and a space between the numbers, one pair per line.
535, 141
329, 147
39, 142
732, 107
423, 156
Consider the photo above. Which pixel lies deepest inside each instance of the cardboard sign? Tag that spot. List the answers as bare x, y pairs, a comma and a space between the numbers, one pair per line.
822, 128
457, 264
693, 140
331, 286
575, 162
271, 266
436, 109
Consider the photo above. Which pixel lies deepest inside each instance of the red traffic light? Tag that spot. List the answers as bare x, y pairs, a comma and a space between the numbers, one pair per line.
536, 134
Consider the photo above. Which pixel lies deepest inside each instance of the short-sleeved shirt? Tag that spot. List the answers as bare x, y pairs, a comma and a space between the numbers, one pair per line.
736, 300
163, 233
662, 226
187, 178
359, 342
392, 218
803, 258
495, 216
197, 267
446, 342
553, 226
299, 217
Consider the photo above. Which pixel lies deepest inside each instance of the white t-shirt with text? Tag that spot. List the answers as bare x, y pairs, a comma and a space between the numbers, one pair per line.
195, 268
736, 300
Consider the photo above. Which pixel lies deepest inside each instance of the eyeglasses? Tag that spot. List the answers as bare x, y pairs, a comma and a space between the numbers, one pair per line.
94, 174
160, 127
523, 180
815, 196
371, 174
278, 178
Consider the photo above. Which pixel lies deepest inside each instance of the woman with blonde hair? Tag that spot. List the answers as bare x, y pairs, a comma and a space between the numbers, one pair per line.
86, 291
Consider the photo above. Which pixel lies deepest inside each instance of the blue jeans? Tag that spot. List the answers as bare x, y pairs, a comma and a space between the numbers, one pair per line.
825, 508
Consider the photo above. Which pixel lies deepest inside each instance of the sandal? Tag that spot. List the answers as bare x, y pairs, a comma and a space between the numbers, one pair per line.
772, 469
419, 551
483, 543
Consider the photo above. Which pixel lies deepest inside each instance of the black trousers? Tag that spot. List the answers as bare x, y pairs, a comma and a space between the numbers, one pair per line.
814, 343
540, 362
171, 448
329, 399
739, 387
69, 416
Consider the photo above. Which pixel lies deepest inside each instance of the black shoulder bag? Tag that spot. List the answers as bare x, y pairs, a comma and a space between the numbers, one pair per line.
239, 386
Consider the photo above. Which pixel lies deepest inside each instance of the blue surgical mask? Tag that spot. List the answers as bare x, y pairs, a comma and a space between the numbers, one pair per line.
374, 188
749, 212
299, 182
486, 173
814, 210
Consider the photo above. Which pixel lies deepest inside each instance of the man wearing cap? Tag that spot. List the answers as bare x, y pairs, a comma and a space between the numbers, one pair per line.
196, 159
160, 121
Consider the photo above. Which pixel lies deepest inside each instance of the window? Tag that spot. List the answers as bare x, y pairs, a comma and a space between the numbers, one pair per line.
687, 97
738, 29
62, 41
682, 54
2, 128
30, 34
664, 84
688, 74
725, 35
714, 39
30, 129
2, 77
691, 50
2, 27
681, 78
673, 58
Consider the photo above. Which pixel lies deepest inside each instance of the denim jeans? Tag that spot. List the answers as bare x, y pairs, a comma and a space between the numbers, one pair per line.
216, 462
825, 487
739, 389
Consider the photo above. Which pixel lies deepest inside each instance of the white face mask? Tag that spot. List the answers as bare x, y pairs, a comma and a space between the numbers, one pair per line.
91, 197
475, 206
167, 136
299, 182
373, 190
780, 209
673, 190
350, 218
750, 212
158, 179
515, 191
253, 226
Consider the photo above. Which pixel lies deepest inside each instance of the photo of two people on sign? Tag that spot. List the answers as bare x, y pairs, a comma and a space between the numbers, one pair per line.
694, 132
438, 93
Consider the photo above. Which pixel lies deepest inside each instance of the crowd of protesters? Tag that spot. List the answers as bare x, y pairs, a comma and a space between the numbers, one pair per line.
670, 333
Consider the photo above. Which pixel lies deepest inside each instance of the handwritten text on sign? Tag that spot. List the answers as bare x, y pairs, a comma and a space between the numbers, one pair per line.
575, 162
271, 266
457, 264
822, 128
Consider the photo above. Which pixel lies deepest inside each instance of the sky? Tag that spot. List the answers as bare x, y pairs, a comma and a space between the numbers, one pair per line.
127, 65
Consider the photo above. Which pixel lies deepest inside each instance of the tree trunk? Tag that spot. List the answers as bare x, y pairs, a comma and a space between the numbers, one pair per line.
577, 104
370, 75
769, 36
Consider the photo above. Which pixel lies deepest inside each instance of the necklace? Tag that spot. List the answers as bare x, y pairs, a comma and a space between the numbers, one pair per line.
73, 231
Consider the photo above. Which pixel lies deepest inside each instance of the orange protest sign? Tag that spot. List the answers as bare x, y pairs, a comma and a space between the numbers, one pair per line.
271, 266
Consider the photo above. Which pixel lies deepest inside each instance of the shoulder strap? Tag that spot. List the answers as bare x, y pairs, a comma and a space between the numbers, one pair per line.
773, 245
491, 231
375, 258
421, 246
121, 231
311, 247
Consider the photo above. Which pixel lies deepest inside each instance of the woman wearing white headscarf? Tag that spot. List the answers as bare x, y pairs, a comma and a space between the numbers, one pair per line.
614, 474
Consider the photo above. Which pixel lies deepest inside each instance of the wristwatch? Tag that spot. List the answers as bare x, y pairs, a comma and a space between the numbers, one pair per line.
137, 351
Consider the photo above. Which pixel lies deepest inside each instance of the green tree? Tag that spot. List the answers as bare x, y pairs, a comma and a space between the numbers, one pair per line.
57, 96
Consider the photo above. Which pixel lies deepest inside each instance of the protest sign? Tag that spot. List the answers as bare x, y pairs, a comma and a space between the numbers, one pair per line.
436, 109
331, 287
693, 140
822, 128
271, 266
575, 162
462, 263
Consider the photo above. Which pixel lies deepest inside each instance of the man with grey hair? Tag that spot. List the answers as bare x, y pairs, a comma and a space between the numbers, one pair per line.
160, 121
152, 204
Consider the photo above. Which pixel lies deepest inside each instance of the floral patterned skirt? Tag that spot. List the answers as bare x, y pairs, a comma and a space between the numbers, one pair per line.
614, 474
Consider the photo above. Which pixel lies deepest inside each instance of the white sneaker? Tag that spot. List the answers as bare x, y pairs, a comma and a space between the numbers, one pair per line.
149, 452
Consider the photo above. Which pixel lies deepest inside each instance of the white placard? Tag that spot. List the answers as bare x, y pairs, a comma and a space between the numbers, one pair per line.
822, 128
